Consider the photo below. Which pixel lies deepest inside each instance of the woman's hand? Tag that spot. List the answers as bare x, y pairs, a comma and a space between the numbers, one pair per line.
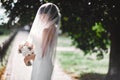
32, 56
28, 58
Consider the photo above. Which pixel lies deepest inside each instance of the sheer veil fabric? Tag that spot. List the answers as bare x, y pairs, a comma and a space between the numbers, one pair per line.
43, 36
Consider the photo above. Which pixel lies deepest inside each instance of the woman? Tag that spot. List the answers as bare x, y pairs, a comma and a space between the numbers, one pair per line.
43, 40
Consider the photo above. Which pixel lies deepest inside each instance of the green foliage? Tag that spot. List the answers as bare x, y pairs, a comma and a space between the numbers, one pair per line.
4, 31
88, 23
98, 28
22, 10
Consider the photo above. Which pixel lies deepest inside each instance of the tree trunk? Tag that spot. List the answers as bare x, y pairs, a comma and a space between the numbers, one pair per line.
114, 62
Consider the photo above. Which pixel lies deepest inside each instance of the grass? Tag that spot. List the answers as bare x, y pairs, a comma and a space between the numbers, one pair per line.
4, 31
64, 41
4, 34
3, 38
76, 63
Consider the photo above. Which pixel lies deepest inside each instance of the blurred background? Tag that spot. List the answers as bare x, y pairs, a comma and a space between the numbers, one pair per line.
88, 43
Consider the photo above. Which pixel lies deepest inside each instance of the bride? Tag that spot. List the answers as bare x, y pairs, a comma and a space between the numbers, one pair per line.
43, 40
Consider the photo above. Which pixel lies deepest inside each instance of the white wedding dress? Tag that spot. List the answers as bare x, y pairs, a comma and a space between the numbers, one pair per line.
43, 65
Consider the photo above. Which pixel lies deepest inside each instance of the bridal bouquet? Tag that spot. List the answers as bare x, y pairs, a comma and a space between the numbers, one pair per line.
26, 50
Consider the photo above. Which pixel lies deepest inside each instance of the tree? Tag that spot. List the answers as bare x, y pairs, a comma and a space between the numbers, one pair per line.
21, 11
78, 18
90, 23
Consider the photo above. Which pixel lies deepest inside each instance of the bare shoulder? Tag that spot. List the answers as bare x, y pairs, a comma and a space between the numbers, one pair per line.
50, 28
